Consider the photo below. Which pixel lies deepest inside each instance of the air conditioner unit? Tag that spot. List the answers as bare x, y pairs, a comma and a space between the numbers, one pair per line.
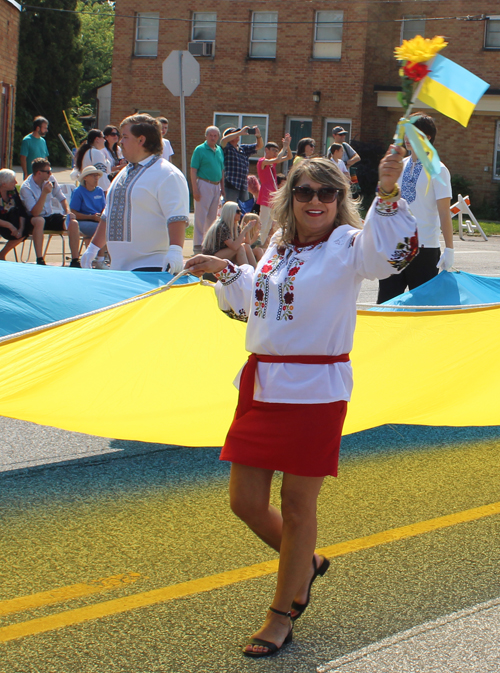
201, 48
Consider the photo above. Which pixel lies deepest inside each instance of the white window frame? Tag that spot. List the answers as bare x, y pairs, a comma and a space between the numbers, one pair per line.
496, 155
317, 24
407, 19
336, 122
254, 41
200, 21
245, 139
494, 18
146, 15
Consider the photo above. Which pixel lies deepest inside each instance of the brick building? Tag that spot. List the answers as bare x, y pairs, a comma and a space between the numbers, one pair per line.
288, 65
10, 13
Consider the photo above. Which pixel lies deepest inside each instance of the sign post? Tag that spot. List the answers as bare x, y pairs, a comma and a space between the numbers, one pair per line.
181, 76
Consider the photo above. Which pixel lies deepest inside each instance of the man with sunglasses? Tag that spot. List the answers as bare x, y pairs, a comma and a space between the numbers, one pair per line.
36, 194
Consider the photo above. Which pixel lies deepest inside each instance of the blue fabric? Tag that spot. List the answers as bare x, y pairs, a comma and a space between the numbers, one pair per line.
86, 202
31, 295
456, 288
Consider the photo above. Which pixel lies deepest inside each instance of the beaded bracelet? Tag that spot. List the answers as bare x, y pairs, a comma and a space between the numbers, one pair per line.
388, 196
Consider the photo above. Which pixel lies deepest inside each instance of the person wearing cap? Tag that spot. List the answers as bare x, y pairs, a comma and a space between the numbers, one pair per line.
87, 203
37, 193
350, 156
147, 206
237, 160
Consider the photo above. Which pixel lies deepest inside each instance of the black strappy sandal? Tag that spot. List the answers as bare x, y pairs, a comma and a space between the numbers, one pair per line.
300, 608
272, 648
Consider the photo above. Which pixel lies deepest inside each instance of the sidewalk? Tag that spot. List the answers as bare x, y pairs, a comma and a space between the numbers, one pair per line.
462, 642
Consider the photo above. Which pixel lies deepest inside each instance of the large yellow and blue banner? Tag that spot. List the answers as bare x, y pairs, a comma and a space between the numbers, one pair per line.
160, 369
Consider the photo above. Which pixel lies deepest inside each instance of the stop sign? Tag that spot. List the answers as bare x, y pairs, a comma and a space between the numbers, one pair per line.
178, 62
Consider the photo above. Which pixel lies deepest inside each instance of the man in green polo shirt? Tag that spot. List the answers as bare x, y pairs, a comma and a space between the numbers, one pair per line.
207, 182
34, 145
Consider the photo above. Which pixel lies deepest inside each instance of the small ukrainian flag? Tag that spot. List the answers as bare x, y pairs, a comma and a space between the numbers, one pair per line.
451, 89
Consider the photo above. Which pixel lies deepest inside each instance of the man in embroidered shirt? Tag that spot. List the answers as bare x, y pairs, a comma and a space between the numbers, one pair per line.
430, 204
36, 193
236, 161
147, 206
207, 183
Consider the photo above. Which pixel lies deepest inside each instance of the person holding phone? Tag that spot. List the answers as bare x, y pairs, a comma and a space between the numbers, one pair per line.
237, 161
36, 194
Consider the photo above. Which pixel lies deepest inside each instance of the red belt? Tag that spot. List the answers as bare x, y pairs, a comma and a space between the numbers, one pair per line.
247, 380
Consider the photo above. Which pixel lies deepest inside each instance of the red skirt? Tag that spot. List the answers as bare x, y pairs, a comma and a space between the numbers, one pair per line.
300, 439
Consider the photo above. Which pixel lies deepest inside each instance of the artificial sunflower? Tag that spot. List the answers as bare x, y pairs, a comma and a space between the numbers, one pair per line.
420, 49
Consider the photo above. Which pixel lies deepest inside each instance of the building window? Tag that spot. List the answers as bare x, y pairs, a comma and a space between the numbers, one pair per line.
146, 35
227, 120
204, 25
264, 35
492, 33
328, 35
411, 26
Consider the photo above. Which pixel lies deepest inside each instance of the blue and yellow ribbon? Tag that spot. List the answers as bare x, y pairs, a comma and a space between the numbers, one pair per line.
425, 151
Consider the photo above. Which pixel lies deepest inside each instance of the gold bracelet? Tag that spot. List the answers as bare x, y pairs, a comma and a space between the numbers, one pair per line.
388, 196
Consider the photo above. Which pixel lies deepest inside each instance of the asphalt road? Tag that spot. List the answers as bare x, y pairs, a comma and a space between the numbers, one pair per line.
123, 557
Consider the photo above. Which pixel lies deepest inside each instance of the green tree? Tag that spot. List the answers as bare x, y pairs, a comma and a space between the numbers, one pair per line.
96, 39
49, 70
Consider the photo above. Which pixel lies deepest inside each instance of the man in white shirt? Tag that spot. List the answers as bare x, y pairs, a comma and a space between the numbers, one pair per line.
168, 152
147, 206
430, 203
36, 194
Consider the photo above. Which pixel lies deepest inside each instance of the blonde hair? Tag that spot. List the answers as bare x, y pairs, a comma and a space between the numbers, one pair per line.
227, 215
326, 173
248, 218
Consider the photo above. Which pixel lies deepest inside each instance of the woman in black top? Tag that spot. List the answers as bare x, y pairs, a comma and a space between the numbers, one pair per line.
14, 221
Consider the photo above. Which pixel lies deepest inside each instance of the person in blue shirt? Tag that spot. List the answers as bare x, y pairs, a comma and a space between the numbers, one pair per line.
87, 203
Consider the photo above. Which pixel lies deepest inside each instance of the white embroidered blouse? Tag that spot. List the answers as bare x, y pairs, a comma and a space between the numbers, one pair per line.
302, 301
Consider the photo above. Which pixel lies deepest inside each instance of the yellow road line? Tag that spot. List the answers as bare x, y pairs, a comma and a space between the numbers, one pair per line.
148, 598
66, 593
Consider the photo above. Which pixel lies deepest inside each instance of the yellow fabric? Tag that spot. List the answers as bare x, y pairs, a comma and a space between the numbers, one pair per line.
446, 101
161, 370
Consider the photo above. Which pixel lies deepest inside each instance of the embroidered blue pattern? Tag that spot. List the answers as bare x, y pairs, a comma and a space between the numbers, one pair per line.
119, 225
409, 182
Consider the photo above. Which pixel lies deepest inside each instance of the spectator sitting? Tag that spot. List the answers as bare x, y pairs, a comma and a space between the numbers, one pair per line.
87, 203
91, 153
305, 149
335, 154
253, 235
36, 194
225, 240
13, 217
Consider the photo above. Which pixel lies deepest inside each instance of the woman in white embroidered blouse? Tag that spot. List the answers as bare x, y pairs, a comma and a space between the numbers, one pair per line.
300, 304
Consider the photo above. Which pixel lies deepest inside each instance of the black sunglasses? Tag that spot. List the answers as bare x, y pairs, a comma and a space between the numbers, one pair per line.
324, 194
238, 212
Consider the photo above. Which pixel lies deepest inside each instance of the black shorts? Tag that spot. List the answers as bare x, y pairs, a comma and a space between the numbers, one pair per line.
55, 222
